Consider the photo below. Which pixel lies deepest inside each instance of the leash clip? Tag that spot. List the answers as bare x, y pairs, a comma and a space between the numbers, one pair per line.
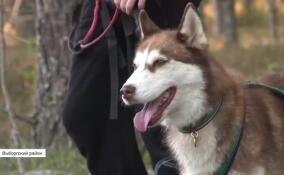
75, 48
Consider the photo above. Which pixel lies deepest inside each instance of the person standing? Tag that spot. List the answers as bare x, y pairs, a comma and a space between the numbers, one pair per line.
100, 126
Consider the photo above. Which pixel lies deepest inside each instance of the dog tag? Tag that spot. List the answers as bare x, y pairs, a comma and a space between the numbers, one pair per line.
194, 135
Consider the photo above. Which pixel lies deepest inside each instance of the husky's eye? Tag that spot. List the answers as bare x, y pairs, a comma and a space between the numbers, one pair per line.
159, 62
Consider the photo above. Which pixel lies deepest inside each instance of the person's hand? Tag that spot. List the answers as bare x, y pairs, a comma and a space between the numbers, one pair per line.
128, 5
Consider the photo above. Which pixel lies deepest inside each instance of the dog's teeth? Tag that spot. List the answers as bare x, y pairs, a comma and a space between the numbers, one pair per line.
167, 94
164, 99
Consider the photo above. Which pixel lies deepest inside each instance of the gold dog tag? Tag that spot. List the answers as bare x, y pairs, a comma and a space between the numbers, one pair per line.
194, 135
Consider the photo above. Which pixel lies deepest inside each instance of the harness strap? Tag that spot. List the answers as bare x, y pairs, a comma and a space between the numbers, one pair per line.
230, 157
130, 27
113, 62
74, 47
226, 165
272, 88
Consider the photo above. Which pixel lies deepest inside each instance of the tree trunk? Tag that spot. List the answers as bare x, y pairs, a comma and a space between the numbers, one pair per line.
248, 5
217, 18
229, 21
53, 23
272, 19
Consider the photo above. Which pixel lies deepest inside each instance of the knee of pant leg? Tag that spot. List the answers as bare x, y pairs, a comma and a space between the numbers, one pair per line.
81, 117
71, 120
69, 117
66, 118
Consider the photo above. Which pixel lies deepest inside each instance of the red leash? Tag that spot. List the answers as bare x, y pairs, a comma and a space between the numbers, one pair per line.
85, 42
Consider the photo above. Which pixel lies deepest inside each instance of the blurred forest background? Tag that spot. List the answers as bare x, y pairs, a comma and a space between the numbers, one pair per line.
247, 35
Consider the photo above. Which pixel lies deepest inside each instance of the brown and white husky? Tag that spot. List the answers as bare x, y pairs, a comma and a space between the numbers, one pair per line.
180, 85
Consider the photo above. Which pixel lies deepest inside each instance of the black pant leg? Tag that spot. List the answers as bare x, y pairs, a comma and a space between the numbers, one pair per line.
162, 161
109, 146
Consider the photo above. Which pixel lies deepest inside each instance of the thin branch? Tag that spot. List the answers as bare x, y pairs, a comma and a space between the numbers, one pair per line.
20, 39
26, 119
15, 10
272, 19
15, 132
21, 12
31, 119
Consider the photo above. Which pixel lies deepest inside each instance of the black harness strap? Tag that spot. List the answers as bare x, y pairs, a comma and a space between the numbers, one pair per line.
130, 30
74, 46
117, 60
113, 62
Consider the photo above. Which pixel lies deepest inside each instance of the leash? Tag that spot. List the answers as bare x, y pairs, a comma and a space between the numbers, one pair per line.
101, 12
272, 88
226, 165
85, 43
79, 46
230, 157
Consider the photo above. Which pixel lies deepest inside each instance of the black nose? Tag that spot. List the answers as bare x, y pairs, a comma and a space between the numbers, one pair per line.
128, 91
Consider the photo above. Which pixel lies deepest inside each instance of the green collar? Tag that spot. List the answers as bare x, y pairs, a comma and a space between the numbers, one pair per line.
204, 121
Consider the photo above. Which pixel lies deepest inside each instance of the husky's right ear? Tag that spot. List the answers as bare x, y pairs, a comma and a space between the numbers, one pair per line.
191, 29
147, 26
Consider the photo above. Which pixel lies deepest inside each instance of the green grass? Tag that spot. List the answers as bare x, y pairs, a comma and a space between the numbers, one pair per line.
255, 61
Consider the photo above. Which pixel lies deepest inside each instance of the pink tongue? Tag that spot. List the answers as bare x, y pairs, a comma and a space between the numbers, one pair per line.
142, 118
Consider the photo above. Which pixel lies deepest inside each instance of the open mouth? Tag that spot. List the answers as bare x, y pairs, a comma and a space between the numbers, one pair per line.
152, 112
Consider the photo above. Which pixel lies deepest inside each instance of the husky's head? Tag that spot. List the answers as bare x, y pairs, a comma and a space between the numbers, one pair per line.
169, 73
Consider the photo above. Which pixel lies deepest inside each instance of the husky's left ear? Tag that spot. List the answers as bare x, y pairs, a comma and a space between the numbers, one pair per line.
191, 29
147, 26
